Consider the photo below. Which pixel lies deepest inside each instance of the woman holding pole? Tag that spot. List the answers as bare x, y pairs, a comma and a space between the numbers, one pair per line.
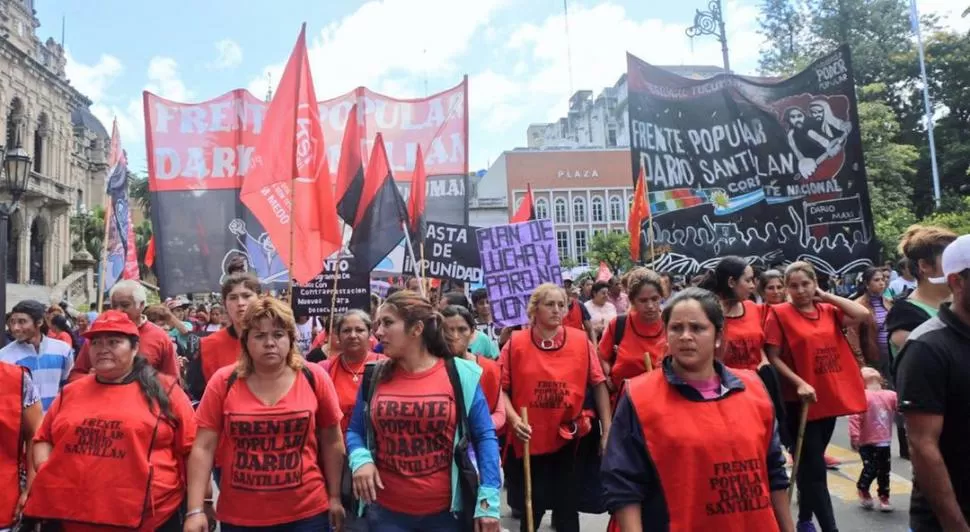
550, 369
805, 343
722, 471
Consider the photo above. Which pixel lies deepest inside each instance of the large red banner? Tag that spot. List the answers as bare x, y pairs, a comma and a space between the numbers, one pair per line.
209, 145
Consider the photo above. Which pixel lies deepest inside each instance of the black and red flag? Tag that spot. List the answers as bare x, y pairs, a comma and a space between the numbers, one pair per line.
350, 171
418, 198
380, 222
527, 210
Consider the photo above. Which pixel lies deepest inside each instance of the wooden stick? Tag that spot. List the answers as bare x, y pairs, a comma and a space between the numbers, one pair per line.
527, 466
104, 254
646, 193
647, 362
802, 420
336, 279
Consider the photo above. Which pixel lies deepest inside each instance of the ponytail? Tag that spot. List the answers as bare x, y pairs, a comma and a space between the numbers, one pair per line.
151, 388
434, 336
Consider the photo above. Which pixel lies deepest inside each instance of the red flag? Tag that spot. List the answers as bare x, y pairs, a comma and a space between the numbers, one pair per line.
417, 197
527, 210
289, 159
350, 170
380, 223
639, 211
150, 252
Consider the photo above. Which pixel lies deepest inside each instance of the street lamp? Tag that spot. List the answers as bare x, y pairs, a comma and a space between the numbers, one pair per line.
711, 22
16, 177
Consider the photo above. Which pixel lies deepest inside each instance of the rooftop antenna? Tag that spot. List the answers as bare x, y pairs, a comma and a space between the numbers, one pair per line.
63, 26
269, 87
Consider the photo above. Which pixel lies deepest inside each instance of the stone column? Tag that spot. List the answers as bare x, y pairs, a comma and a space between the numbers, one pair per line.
23, 254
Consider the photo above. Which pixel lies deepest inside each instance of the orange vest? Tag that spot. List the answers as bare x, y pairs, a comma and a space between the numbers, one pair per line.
821, 356
574, 316
11, 444
100, 468
218, 350
551, 383
713, 469
630, 361
744, 338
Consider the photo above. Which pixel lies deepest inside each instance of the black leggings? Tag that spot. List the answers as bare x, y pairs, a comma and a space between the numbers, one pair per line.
876, 465
553, 488
812, 479
770, 378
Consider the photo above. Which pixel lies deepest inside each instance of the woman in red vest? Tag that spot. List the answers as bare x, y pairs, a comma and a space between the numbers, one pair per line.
460, 330
112, 448
805, 343
275, 422
723, 470
222, 348
346, 369
771, 288
20, 417
549, 369
631, 338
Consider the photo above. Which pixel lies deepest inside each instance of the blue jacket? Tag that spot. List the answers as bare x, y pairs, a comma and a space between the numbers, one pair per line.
482, 435
627, 470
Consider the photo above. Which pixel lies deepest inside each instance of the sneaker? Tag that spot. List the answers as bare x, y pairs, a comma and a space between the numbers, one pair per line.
805, 526
865, 500
832, 462
884, 505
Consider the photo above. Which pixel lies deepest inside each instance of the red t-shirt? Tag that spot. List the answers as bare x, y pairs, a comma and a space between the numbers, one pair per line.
346, 380
153, 343
62, 336
414, 428
170, 451
744, 338
270, 473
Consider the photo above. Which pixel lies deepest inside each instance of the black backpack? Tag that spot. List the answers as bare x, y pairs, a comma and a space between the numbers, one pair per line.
619, 329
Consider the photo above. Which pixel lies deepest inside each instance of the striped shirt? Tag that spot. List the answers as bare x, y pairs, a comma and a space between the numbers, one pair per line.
49, 366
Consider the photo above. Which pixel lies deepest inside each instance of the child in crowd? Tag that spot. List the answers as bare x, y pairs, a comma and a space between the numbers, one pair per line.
871, 434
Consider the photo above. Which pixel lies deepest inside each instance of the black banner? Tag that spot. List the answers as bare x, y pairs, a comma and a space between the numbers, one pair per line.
769, 171
450, 252
316, 297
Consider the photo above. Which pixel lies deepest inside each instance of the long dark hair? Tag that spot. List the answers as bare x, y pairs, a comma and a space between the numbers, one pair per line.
718, 280
412, 308
145, 375
867, 276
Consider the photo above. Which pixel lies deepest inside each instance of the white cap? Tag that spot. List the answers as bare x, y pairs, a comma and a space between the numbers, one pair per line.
956, 258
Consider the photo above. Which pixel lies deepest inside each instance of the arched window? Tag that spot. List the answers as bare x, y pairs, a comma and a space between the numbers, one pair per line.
579, 210
542, 209
596, 209
562, 213
616, 209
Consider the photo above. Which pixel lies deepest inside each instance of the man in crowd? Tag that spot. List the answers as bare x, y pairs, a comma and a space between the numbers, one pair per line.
49, 360
154, 343
905, 283
617, 296
933, 381
483, 314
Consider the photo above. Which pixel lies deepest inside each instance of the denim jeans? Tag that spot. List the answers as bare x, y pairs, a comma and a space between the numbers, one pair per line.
310, 524
381, 519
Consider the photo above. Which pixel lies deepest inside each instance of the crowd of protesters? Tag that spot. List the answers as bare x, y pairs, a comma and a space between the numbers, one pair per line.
416, 413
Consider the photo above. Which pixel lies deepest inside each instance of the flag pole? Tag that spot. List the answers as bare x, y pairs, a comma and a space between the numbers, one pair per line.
293, 165
646, 199
336, 281
424, 279
104, 255
417, 271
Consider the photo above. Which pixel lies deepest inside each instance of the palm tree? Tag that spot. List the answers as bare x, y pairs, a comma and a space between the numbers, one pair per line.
138, 193
88, 232
143, 234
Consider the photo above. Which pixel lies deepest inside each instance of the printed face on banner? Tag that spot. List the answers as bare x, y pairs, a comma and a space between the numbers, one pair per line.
770, 172
516, 259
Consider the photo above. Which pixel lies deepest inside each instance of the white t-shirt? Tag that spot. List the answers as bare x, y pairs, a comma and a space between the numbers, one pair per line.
304, 335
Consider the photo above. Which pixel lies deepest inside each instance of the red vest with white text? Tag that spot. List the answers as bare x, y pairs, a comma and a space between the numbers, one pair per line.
710, 456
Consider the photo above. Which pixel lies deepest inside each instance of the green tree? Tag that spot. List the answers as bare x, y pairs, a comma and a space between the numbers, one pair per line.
143, 234
956, 220
87, 231
139, 194
783, 24
611, 248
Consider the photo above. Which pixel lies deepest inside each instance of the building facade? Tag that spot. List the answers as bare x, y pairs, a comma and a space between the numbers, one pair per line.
583, 192
599, 122
41, 112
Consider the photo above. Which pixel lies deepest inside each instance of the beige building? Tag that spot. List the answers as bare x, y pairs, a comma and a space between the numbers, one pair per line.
43, 113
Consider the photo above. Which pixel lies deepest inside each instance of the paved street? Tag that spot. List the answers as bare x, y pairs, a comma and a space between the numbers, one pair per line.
849, 515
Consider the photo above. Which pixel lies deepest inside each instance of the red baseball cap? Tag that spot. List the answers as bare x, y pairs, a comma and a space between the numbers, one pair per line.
112, 321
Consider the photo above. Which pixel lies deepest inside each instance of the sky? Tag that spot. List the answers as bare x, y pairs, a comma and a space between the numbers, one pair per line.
515, 53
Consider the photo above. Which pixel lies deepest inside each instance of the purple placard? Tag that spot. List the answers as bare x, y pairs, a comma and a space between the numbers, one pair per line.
517, 258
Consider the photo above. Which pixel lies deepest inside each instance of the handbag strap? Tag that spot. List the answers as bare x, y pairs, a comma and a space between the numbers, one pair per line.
452, 369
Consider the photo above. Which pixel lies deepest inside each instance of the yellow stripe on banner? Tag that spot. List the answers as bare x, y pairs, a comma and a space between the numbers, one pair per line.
842, 482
